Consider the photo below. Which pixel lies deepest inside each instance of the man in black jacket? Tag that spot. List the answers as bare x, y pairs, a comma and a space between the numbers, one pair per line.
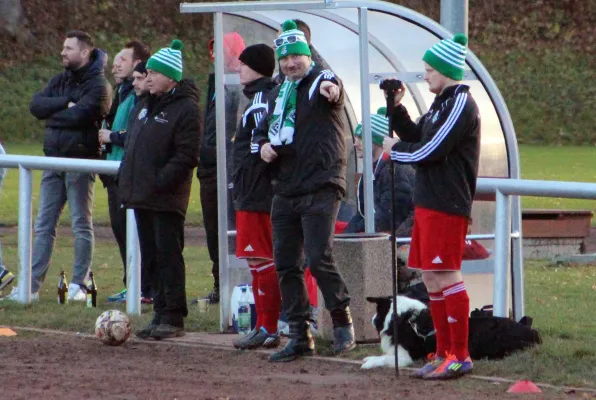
302, 139
207, 168
252, 199
72, 106
445, 146
155, 177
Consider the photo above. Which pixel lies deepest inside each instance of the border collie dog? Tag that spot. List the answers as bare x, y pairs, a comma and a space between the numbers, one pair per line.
489, 337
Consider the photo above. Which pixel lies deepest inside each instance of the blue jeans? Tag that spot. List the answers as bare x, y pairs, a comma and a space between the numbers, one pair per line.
56, 189
2, 175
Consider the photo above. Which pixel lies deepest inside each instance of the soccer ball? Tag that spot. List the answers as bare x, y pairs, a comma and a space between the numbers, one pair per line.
112, 327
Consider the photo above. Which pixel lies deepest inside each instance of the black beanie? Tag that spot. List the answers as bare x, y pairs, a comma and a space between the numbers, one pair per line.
141, 68
260, 58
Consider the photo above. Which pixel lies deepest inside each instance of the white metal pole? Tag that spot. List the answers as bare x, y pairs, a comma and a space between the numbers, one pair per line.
454, 15
367, 171
517, 261
25, 234
502, 253
222, 186
133, 265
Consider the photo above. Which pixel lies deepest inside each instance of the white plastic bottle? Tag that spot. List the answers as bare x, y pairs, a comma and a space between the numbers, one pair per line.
244, 312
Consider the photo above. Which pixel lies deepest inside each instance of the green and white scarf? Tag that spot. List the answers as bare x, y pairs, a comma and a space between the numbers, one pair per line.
282, 123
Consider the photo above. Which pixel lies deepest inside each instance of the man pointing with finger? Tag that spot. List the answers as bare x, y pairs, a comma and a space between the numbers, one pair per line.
301, 137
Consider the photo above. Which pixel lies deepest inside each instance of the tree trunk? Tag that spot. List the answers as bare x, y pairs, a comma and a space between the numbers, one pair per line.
12, 18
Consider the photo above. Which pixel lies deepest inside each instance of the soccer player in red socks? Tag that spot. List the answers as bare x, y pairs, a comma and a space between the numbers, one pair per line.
252, 199
444, 145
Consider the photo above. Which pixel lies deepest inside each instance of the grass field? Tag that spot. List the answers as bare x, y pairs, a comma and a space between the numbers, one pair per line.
560, 299
537, 162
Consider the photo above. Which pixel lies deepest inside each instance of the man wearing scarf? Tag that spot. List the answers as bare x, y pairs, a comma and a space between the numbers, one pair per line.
302, 140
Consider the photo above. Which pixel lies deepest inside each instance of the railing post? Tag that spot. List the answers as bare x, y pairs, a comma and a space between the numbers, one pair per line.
222, 187
25, 234
517, 263
133, 270
502, 253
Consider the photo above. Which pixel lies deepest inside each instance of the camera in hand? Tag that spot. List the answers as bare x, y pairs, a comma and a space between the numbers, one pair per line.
390, 85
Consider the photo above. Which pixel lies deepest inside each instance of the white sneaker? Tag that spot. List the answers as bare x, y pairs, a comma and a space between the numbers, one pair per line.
13, 296
76, 293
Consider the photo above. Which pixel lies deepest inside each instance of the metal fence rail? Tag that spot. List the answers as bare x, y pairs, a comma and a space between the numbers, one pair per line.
504, 190
26, 164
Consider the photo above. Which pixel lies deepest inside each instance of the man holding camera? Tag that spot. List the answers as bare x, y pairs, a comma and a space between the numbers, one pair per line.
445, 147
302, 139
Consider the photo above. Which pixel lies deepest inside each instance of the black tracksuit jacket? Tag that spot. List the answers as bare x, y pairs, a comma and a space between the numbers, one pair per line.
445, 147
252, 183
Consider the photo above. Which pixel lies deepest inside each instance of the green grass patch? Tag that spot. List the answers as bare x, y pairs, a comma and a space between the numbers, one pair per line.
563, 163
107, 268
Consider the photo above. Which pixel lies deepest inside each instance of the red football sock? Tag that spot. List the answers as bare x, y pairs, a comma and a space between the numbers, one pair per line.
458, 313
438, 311
269, 297
255, 291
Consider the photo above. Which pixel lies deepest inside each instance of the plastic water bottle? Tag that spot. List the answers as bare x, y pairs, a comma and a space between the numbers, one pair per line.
244, 312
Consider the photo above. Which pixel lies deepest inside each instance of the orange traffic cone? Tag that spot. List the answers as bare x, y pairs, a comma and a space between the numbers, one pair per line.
524, 387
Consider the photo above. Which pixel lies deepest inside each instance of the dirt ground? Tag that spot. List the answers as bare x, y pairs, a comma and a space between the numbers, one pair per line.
68, 367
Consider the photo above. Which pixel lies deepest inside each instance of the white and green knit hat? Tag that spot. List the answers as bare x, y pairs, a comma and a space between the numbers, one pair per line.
379, 127
291, 41
449, 56
168, 61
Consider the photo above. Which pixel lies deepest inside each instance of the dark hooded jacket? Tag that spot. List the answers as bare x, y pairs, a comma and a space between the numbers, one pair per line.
73, 132
404, 188
162, 144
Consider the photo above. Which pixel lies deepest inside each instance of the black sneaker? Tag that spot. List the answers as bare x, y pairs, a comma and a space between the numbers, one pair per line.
301, 344
145, 333
343, 339
164, 331
294, 349
256, 339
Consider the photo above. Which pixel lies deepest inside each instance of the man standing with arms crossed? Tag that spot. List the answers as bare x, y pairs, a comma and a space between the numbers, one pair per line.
445, 147
72, 106
302, 138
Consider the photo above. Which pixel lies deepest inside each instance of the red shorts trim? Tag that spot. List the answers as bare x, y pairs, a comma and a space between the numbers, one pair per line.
438, 240
254, 236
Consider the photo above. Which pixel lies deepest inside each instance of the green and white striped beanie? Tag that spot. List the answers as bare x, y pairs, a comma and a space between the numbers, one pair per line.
449, 56
168, 61
291, 41
379, 127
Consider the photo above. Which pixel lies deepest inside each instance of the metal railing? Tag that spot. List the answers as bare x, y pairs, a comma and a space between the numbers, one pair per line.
503, 189
25, 165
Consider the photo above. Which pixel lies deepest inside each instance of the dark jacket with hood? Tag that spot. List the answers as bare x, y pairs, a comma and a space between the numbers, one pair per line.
73, 132
208, 152
252, 184
316, 159
445, 146
162, 144
404, 187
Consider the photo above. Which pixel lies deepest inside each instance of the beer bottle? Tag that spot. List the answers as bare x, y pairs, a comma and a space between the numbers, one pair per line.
62, 289
91, 292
